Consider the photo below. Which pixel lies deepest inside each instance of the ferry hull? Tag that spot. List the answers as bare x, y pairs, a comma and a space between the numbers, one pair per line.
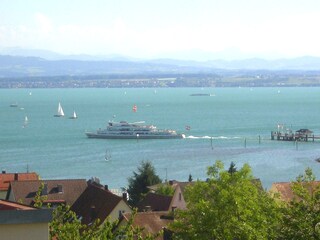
105, 136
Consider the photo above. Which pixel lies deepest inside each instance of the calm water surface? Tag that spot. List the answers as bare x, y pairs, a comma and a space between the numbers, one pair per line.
234, 118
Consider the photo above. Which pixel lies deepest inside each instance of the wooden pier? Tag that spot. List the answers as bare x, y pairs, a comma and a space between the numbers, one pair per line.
300, 135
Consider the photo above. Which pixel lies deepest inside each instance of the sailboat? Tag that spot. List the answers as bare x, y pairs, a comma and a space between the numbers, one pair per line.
107, 156
25, 124
60, 112
74, 115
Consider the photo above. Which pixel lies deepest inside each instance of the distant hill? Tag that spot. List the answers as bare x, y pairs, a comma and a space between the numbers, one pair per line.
46, 63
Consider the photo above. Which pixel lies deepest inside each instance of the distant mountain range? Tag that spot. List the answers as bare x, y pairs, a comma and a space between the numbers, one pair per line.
16, 62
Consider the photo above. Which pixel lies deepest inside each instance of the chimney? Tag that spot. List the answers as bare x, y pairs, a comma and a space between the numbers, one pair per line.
16, 175
60, 190
106, 187
45, 189
3, 171
125, 196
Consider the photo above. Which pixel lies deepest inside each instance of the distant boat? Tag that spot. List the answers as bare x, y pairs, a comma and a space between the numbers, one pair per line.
202, 95
134, 108
74, 115
26, 121
14, 105
60, 112
107, 156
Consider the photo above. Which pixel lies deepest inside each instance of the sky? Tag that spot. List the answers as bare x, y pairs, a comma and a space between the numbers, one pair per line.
230, 29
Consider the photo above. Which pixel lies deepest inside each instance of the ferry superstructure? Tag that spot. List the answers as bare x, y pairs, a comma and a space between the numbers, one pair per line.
136, 130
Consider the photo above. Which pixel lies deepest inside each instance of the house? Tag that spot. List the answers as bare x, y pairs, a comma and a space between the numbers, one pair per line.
158, 202
6, 178
284, 189
65, 191
154, 202
304, 132
98, 202
149, 222
18, 221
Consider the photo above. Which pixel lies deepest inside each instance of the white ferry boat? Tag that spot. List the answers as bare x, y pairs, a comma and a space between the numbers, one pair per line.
136, 130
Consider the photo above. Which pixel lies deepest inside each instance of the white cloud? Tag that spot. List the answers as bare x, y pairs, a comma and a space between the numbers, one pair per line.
44, 24
290, 34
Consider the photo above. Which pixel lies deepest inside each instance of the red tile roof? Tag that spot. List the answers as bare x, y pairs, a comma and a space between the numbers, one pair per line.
8, 205
25, 191
95, 203
6, 178
151, 222
285, 189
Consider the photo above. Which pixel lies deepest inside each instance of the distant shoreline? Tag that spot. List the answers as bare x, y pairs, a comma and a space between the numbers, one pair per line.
241, 78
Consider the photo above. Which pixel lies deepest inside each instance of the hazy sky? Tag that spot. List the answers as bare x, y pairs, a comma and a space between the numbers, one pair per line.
147, 28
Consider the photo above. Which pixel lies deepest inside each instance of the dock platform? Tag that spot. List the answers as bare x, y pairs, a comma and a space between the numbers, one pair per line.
300, 135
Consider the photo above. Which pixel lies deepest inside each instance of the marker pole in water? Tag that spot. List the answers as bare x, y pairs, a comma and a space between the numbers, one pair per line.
211, 143
245, 143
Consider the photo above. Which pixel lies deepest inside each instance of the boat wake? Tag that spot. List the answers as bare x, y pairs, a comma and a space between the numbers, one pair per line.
208, 137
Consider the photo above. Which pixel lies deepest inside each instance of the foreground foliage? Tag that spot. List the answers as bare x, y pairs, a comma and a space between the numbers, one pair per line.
165, 189
301, 216
66, 226
229, 205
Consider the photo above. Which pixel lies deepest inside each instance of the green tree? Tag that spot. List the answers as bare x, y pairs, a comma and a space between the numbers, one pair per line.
39, 198
190, 178
227, 206
165, 189
232, 168
302, 214
65, 225
137, 184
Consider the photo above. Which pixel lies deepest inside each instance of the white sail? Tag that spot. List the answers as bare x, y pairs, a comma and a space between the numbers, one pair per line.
60, 112
74, 116
25, 122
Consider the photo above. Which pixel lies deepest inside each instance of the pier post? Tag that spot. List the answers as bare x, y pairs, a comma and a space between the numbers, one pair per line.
245, 143
259, 139
272, 135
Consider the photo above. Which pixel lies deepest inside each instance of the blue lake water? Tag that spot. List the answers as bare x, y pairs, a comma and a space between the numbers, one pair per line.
234, 118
